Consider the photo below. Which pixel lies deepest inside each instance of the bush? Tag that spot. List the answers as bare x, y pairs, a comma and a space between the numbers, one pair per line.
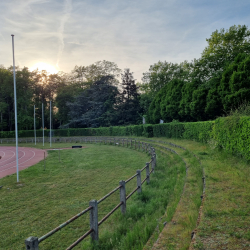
232, 134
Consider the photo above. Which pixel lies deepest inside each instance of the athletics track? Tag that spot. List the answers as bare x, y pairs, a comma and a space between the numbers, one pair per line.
26, 158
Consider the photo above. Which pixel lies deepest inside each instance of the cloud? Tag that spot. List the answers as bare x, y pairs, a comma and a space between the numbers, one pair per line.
134, 33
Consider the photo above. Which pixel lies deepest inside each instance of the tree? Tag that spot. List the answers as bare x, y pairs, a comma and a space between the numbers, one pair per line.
166, 103
171, 101
94, 106
214, 107
162, 73
186, 100
129, 107
223, 47
235, 83
86, 75
6, 99
198, 104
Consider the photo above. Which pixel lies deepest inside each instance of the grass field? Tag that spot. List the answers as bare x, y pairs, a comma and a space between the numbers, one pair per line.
225, 219
46, 198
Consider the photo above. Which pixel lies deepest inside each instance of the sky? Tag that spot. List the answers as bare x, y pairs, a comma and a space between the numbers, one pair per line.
133, 33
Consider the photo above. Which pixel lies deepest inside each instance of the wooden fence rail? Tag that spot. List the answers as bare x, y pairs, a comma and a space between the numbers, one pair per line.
32, 243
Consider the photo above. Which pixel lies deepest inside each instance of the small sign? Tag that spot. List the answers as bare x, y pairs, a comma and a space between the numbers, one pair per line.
161, 121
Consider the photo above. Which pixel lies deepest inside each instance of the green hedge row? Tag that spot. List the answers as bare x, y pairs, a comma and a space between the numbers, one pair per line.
233, 135
199, 131
230, 133
137, 130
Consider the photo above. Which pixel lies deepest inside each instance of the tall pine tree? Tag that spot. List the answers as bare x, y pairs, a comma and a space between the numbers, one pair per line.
129, 110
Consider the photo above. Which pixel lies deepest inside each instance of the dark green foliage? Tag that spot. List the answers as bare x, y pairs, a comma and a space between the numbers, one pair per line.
198, 104
223, 47
214, 107
94, 106
128, 110
161, 73
154, 114
186, 100
169, 105
199, 131
235, 83
232, 134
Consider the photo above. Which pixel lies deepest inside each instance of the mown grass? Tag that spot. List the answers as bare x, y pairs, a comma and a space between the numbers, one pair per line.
45, 198
177, 232
225, 221
146, 212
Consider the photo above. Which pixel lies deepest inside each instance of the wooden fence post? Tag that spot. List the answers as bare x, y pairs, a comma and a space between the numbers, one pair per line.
94, 220
153, 163
31, 243
154, 159
123, 196
147, 172
138, 180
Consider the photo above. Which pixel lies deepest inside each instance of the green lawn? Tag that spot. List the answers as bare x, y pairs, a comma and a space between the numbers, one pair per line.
225, 218
46, 198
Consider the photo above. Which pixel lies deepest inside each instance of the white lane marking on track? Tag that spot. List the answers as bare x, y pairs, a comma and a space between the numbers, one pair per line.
20, 163
3, 153
14, 160
8, 158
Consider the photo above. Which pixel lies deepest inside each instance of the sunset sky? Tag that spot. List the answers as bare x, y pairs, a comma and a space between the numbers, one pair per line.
134, 33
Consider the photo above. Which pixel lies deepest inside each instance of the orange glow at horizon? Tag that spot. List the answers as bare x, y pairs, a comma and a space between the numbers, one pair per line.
44, 66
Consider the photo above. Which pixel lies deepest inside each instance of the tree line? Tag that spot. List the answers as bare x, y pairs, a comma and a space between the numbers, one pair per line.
102, 95
89, 96
206, 88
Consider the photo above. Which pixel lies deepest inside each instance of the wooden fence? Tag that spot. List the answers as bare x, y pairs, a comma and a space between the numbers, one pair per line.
32, 243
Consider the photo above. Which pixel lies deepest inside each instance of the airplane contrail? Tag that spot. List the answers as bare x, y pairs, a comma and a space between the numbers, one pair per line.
66, 14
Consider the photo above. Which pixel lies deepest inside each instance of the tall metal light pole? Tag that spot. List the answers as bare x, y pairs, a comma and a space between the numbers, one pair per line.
43, 123
35, 123
16, 131
50, 123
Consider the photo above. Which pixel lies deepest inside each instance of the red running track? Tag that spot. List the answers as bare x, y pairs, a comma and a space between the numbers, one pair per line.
26, 158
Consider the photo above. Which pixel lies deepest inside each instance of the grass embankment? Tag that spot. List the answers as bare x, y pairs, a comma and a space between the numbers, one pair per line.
225, 219
177, 232
45, 198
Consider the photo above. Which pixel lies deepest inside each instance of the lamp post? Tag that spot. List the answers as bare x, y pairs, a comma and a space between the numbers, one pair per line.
35, 123
16, 131
43, 123
50, 123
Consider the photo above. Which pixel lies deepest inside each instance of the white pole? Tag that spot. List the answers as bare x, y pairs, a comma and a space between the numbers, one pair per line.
43, 123
50, 123
35, 122
16, 131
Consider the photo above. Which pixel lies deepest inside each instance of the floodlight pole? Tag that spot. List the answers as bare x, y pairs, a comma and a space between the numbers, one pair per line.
16, 131
50, 123
35, 122
43, 123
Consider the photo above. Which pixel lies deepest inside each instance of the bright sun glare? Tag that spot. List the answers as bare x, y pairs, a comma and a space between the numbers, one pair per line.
44, 66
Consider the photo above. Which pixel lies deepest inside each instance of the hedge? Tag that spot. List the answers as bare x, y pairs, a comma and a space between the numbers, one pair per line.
230, 133
136, 130
233, 135
198, 131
